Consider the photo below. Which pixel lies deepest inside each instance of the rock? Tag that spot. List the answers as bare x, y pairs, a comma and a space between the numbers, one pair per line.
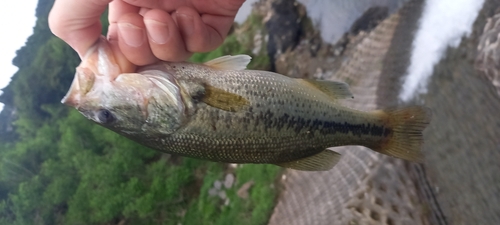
488, 56
283, 27
370, 19
217, 185
222, 195
228, 182
212, 192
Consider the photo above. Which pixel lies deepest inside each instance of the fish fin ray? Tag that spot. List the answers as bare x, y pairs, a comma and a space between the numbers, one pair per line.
230, 62
407, 125
322, 161
334, 89
224, 100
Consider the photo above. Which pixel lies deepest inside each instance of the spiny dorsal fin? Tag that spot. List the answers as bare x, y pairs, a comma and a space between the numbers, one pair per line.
335, 89
224, 100
230, 62
322, 161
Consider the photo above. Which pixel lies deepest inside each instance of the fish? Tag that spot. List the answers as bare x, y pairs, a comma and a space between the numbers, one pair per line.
222, 112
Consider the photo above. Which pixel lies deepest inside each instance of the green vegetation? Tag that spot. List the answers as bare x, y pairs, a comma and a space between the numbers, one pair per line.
256, 209
56, 167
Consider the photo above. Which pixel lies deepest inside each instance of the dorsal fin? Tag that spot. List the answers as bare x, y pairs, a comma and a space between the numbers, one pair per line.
334, 89
230, 62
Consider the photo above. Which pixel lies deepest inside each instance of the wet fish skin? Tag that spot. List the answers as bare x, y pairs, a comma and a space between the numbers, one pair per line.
219, 112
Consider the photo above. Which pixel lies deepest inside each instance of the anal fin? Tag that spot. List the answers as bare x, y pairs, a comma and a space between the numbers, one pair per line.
322, 161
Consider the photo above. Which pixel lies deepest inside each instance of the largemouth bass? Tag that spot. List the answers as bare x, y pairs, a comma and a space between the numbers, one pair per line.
221, 112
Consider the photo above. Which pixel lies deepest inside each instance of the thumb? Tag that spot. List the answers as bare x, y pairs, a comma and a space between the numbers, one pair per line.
77, 22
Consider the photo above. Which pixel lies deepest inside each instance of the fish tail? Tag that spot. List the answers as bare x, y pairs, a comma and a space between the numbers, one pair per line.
406, 139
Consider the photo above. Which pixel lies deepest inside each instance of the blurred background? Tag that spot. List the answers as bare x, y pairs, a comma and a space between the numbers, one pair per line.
56, 167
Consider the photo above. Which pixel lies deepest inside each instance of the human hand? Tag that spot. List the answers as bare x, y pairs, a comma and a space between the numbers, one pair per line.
145, 31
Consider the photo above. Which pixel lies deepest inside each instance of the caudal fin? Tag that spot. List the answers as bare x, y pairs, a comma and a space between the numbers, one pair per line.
406, 140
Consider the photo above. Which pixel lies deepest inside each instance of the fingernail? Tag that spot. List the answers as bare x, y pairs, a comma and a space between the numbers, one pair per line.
158, 31
186, 23
131, 34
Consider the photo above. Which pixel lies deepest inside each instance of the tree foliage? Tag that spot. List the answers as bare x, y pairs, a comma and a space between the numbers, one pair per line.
56, 167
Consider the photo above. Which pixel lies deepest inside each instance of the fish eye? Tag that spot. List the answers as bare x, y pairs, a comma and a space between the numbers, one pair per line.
105, 116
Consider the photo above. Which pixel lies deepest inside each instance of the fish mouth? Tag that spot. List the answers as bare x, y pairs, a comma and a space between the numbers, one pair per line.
72, 98
99, 61
81, 85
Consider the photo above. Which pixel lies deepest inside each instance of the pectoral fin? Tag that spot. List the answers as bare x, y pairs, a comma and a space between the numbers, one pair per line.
230, 62
224, 100
322, 161
335, 89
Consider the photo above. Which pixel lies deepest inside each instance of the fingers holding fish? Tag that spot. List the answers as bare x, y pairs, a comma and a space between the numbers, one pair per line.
133, 41
155, 34
202, 33
147, 36
145, 32
164, 36
203, 24
128, 28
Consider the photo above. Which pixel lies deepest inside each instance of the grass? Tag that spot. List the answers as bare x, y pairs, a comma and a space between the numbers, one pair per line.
255, 209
